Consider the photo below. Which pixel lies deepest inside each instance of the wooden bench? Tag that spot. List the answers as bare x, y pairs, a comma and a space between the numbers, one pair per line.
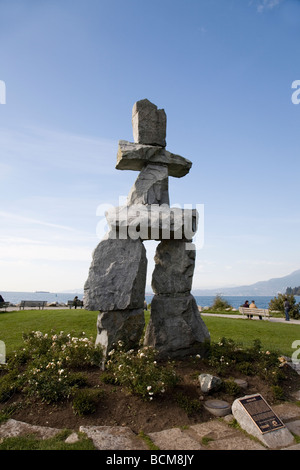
71, 303
4, 305
32, 303
262, 312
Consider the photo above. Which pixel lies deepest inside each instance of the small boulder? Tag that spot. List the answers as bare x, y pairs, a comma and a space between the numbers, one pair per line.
209, 383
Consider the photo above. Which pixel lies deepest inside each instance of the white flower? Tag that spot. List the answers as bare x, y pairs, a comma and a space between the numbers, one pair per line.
149, 387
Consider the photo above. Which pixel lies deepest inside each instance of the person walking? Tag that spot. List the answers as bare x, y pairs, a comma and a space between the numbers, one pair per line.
287, 308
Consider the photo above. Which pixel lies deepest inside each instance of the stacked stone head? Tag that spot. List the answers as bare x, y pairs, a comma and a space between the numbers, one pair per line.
117, 275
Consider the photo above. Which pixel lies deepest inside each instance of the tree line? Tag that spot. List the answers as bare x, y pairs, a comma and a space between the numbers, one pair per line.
292, 291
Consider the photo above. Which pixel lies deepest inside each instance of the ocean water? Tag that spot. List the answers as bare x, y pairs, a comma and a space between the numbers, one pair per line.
203, 301
234, 301
16, 297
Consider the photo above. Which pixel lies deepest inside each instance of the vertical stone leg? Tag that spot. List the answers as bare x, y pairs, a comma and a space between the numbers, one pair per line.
121, 325
176, 328
116, 287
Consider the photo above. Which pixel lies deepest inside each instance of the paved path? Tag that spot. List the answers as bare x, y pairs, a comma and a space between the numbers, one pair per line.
234, 316
216, 434
242, 317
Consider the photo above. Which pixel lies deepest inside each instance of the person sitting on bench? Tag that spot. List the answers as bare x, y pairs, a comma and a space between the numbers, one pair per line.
252, 305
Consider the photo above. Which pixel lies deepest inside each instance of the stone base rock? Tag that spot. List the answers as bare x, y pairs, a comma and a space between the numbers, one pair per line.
125, 325
175, 328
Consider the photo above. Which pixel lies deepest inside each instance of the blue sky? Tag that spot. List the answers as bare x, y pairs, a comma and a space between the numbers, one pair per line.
222, 70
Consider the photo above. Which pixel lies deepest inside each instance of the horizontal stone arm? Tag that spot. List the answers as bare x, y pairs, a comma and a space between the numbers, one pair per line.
155, 222
135, 156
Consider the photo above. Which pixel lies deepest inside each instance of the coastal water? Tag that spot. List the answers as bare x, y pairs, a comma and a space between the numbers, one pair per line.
62, 298
50, 297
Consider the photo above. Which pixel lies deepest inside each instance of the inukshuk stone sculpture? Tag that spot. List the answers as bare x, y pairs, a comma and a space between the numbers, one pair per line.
117, 276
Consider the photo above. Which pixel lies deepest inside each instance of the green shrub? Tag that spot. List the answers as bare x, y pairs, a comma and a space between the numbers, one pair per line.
189, 405
85, 401
71, 351
48, 380
10, 383
227, 355
140, 372
231, 387
47, 362
246, 368
220, 303
77, 379
278, 392
277, 304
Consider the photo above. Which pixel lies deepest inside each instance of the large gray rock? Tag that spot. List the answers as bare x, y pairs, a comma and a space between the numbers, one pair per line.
175, 328
151, 186
117, 276
134, 157
113, 438
122, 325
13, 428
174, 268
149, 123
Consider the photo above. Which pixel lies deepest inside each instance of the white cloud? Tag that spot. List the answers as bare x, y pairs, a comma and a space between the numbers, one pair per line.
37, 251
267, 5
63, 150
22, 219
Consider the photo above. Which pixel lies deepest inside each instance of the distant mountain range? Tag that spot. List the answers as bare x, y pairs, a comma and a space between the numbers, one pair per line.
271, 287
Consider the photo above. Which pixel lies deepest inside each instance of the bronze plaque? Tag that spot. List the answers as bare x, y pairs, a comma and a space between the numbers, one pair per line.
261, 413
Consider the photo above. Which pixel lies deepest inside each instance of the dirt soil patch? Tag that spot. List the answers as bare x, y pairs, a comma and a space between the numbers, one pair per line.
118, 407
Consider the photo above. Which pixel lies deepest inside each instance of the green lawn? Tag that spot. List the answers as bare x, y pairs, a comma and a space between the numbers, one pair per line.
13, 324
273, 336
